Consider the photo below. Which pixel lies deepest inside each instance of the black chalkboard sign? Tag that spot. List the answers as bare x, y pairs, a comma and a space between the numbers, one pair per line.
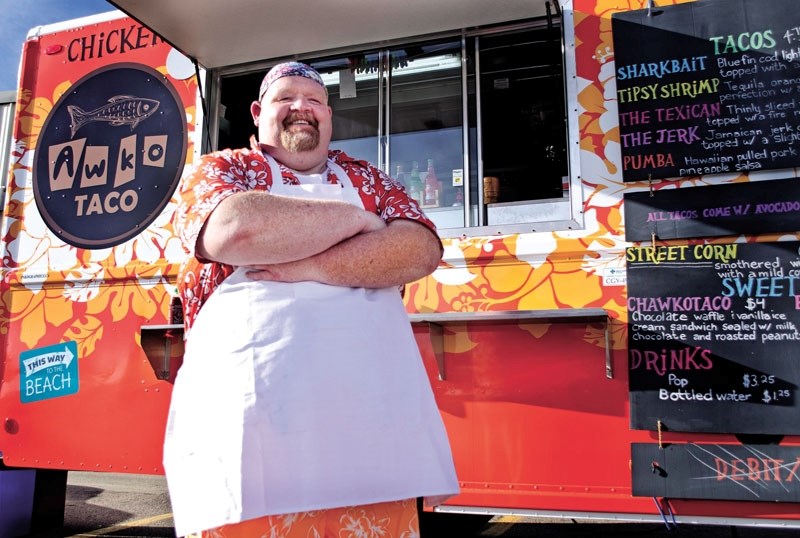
752, 207
708, 87
715, 471
714, 337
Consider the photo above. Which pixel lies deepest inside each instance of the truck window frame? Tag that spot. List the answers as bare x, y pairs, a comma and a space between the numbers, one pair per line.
544, 215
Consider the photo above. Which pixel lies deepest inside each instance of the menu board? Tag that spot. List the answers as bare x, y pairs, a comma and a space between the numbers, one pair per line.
708, 87
714, 337
751, 207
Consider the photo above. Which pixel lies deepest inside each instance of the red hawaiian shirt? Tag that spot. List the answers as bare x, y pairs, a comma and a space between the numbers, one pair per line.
219, 175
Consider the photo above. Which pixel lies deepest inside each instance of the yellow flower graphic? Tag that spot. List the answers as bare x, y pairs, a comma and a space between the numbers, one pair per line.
33, 314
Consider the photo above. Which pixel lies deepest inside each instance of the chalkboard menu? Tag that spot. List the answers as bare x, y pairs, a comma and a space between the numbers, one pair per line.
714, 337
752, 207
708, 87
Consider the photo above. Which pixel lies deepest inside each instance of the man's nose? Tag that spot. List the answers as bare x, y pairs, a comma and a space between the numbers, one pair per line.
301, 103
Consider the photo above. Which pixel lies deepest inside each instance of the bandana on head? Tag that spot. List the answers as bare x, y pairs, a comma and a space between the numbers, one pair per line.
289, 69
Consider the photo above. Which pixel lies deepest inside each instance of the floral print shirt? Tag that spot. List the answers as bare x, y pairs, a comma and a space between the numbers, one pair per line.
224, 173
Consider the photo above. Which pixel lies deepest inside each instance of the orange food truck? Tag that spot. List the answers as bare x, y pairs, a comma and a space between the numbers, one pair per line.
613, 330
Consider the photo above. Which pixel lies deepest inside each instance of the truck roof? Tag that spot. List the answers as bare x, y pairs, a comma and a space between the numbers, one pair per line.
220, 34
71, 24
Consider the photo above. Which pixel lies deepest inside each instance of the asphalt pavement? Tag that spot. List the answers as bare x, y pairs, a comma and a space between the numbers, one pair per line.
124, 505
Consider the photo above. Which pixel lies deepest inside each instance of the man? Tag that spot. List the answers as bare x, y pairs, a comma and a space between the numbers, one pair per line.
302, 405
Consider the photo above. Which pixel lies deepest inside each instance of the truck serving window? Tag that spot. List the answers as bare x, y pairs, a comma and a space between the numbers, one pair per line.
474, 125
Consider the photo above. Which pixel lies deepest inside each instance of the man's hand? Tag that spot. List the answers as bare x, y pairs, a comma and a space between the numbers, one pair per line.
299, 271
373, 223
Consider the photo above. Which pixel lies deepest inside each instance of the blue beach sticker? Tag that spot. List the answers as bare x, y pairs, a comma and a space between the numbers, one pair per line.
48, 372
110, 156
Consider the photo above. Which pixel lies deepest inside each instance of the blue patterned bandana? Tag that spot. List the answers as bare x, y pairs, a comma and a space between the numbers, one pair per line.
289, 69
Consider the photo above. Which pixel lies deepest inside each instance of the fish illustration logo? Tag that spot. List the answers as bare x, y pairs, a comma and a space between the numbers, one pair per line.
105, 169
120, 110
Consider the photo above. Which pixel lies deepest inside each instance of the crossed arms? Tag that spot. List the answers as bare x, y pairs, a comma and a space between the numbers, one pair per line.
290, 239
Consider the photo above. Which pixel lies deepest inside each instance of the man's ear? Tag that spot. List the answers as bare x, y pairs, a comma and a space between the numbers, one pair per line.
255, 111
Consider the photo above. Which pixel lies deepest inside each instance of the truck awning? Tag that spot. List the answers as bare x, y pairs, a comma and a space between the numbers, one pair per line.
219, 33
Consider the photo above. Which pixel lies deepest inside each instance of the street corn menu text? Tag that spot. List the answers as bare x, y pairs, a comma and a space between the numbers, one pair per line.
713, 337
708, 87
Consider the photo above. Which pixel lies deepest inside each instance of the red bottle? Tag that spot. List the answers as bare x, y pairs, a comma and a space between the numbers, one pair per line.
431, 193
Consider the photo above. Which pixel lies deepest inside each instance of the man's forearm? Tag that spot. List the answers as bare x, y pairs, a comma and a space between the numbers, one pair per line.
403, 252
259, 228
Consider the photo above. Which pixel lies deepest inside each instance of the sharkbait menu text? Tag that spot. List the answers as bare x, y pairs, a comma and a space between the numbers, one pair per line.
708, 87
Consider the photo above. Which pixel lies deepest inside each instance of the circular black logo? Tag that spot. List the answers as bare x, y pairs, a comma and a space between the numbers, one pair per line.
109, 156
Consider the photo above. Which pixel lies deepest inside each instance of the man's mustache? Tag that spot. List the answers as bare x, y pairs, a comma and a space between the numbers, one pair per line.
300, 117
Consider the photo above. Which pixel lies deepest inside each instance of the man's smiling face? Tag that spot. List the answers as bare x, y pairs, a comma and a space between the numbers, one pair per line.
294, 117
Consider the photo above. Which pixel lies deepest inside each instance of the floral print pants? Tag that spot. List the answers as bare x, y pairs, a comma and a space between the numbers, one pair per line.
396, 519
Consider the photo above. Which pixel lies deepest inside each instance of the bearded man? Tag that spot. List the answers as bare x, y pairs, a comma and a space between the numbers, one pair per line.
302, 406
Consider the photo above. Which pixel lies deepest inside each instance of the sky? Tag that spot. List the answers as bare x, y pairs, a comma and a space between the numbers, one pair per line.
19, 16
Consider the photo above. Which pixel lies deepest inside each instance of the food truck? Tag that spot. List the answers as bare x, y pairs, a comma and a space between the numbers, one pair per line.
612, 332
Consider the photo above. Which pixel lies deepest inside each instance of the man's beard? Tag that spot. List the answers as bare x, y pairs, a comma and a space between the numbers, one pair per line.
302, 140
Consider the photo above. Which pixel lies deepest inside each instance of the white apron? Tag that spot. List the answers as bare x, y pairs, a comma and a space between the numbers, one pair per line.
301, 396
